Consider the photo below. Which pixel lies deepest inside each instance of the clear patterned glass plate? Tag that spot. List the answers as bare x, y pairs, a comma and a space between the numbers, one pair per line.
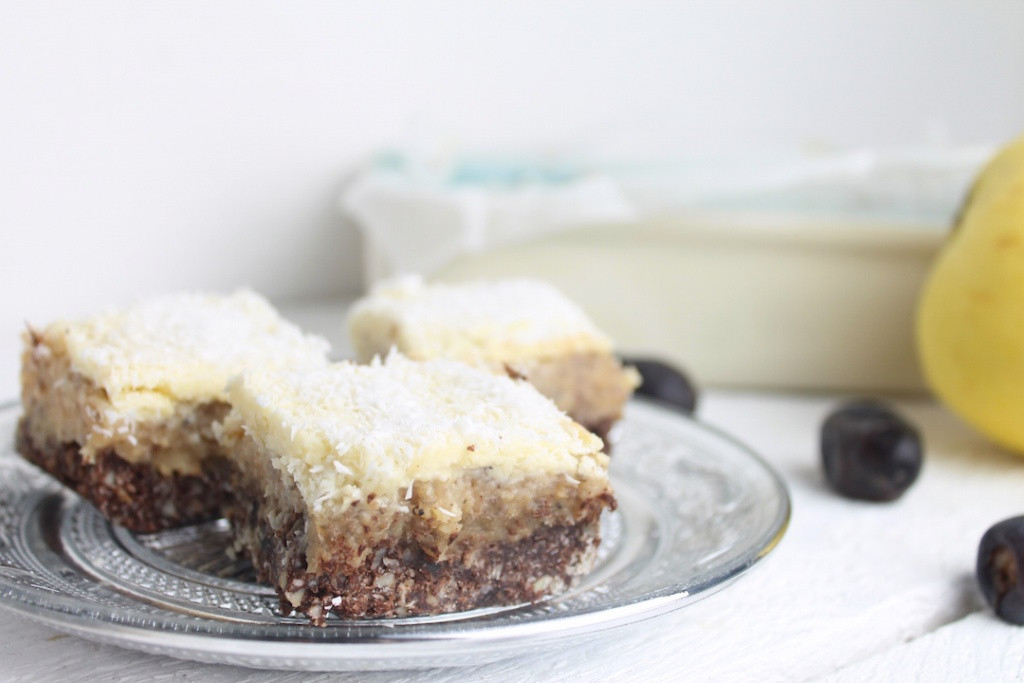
696, 510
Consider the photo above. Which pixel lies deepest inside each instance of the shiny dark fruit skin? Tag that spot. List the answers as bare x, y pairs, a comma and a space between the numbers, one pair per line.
1000, 562
665, 383
869, 452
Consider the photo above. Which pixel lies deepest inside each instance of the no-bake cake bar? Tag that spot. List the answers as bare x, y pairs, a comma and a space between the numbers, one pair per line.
124, 406
404, 488
525, 328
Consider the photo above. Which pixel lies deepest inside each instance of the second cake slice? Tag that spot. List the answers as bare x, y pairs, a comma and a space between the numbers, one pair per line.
522, 327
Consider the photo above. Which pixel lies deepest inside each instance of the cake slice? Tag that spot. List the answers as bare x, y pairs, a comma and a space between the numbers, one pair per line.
407, 488
124, 406
525, 328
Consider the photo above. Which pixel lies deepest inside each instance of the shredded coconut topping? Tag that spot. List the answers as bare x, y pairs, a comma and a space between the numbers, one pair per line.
481, 321
181, 347
387, 425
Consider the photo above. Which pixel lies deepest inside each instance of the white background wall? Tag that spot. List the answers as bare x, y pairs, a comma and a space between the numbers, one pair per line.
150, 147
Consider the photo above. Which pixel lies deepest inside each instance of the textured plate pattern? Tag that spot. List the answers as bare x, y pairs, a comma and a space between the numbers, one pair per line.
696, 509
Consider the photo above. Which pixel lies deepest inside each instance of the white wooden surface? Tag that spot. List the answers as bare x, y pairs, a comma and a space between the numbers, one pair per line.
856, 591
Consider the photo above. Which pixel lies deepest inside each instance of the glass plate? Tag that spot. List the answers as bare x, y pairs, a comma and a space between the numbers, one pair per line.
696, 510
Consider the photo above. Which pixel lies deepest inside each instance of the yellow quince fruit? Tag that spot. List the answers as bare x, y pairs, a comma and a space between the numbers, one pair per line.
970, 323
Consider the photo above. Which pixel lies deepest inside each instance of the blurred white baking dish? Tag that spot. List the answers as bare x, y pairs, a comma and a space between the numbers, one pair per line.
794, 272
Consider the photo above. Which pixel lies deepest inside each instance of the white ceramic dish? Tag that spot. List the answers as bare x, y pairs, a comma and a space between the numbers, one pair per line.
743, 299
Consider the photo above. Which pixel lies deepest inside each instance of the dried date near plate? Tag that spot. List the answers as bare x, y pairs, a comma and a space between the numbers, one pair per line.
696, 510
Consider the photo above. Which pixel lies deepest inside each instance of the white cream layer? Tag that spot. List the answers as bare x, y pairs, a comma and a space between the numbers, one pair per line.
177, 348
347, 430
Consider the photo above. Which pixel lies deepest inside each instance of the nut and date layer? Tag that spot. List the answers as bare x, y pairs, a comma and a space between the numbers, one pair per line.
135, 496
469, 542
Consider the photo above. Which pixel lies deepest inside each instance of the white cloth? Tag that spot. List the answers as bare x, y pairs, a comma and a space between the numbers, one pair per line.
416, 216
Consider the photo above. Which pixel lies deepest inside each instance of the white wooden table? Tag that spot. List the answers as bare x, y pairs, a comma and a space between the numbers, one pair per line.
856, 591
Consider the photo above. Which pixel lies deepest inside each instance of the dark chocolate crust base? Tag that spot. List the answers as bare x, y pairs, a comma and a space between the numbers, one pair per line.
137, 497
399, 579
